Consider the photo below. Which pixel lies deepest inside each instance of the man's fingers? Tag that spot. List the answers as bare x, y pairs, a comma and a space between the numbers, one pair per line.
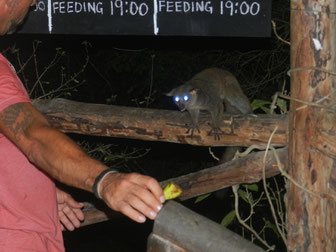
79, 213
73, 203
155, 188
127, 210
150, 183
140, 205
65, 222
71, 216
147, 203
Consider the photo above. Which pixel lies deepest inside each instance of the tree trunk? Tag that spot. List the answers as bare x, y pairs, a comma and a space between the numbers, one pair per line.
311, 220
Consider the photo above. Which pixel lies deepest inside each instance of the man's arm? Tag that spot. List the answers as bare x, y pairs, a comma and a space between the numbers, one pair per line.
60, 157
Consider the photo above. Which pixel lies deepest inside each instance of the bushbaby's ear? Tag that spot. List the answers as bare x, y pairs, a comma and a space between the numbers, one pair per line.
171, 93
193, 91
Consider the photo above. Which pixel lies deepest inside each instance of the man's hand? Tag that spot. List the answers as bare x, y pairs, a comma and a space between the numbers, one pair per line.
134, 195
69, 211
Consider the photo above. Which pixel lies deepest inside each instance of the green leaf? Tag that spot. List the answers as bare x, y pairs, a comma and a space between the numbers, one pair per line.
253, 187
243, 195
266, 110
270, 225
202, 197
282, 104
260, 104
227, 220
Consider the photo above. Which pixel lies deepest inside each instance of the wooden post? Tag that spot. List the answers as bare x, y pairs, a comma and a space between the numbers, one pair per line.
311, 219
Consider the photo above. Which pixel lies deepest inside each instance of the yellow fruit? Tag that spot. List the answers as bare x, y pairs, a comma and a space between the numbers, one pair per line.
171, 191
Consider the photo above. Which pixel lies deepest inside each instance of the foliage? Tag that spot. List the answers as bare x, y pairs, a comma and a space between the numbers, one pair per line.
51, 75
202, 197
228, 219
123, 158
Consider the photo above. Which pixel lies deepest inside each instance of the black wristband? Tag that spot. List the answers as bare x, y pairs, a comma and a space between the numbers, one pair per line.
99, 178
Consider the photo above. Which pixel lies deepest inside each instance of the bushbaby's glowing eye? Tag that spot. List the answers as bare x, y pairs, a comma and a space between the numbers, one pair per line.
177, 98
186, 97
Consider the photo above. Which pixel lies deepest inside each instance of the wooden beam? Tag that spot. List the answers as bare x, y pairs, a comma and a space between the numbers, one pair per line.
160, 125
311, 220
243, 170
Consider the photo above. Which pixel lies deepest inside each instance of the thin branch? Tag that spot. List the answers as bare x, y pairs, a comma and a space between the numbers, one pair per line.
312, 104
266, 190
277, 35
151, 82
48, 67
235, 192
310, 68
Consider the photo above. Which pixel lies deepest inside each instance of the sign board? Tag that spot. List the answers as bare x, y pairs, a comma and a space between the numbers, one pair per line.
234, 18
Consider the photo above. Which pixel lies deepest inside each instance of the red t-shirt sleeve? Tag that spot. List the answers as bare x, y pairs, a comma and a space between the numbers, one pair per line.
11, 89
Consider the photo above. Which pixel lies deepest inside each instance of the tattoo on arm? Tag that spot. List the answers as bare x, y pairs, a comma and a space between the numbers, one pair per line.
17, 118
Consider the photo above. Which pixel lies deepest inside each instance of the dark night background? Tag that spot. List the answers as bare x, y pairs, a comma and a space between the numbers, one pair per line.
137, 71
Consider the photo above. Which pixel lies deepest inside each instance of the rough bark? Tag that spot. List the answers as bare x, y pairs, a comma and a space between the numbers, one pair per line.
325, 138
311, 220
160, 125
